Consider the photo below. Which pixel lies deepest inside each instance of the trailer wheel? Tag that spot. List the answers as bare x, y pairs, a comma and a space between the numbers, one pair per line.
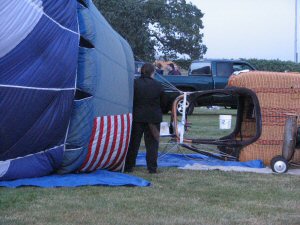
279, 164
189, 107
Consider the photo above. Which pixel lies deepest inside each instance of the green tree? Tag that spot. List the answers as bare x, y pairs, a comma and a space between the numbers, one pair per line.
169, 27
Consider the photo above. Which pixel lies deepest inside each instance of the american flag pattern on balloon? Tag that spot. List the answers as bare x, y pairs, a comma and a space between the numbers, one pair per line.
108, 143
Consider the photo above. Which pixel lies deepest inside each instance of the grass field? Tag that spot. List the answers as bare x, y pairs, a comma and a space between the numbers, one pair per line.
175, 197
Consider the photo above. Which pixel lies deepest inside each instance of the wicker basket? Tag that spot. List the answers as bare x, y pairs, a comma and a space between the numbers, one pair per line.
279, 98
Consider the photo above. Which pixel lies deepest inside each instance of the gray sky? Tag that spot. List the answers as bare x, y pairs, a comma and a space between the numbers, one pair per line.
262, 29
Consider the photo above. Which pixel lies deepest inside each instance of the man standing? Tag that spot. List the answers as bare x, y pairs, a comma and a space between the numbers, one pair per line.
147, 116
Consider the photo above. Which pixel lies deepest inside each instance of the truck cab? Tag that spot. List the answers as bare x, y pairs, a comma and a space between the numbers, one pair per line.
203, 75
217, 71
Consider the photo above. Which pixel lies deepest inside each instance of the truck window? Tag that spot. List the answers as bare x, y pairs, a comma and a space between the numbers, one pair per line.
224, 69
200, 69
241, 66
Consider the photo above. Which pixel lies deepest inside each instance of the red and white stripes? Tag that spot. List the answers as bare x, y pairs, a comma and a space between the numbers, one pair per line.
109, 143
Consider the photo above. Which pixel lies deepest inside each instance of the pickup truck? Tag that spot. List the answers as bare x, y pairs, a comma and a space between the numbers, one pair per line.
206, 74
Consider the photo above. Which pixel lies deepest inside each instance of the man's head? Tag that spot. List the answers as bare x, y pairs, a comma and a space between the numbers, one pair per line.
147, 70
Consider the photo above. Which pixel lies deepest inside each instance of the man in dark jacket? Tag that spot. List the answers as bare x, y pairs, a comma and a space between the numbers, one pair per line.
147, 116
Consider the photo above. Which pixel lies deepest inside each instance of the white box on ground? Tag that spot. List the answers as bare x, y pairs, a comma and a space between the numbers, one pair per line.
164, 129
225, 122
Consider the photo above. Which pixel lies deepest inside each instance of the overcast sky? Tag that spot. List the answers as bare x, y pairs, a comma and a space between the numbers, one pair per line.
262, 29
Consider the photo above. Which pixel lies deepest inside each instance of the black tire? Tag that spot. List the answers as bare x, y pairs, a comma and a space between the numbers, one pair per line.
279, 164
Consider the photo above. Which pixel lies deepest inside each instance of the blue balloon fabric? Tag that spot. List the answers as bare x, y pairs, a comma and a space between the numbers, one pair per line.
102, 112
66, 89
38, 62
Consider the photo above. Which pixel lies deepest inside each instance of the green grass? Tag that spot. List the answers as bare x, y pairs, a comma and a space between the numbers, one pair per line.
205, 123
175, 197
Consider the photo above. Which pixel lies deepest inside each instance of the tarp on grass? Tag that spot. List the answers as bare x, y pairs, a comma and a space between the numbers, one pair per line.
181, 160
97, 178
266, 170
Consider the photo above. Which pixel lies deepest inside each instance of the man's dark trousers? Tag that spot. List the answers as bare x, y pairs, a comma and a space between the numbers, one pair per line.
151, 138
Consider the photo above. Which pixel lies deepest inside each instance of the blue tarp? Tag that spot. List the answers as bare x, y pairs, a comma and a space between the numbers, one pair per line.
106, 178
180, 160
97, 178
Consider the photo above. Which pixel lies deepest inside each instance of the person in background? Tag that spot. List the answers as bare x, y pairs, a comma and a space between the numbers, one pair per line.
159, 69
147, 116
173, 71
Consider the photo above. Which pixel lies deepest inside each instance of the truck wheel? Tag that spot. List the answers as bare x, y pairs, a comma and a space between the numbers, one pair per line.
189, 107
279, 164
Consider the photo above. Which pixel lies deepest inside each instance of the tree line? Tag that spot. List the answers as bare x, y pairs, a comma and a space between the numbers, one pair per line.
169, 29
275, 65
